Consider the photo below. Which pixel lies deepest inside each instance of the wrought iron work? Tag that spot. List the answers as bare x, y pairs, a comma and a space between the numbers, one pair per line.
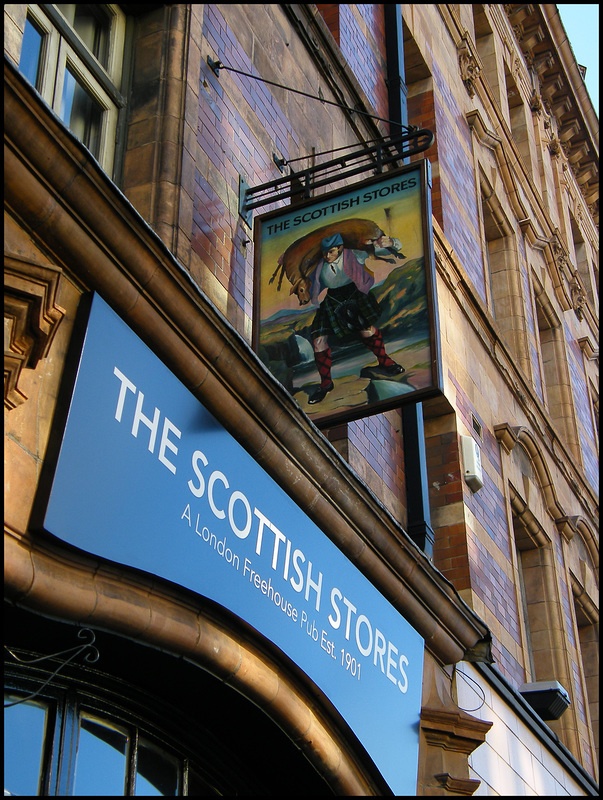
216, 65
91, 656
389, 150
373, 155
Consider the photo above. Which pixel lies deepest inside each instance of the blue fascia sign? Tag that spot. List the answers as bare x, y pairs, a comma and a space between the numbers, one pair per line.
148, 478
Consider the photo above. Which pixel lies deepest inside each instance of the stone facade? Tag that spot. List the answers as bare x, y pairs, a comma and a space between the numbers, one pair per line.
514, 172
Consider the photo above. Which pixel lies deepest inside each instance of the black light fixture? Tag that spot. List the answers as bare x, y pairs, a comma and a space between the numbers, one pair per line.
548, 698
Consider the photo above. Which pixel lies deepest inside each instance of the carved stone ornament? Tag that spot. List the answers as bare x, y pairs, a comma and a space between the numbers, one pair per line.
31, 319
562, 260
506, 435
578, 298
459, 786
567, 526
469, 65
554, 146
536, 103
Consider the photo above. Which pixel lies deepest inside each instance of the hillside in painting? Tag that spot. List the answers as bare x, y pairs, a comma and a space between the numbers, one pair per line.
401, 297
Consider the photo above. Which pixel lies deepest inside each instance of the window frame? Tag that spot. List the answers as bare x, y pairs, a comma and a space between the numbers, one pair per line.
68, 60
62, 49
66, 703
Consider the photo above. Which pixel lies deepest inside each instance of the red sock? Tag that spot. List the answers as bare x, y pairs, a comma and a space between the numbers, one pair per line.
323, 362
375, 343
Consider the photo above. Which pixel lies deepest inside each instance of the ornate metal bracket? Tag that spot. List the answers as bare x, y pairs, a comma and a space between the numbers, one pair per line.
407, 141
375, 157
91, 656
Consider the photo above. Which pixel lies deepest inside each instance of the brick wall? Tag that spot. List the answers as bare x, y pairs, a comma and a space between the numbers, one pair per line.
232, 141
421, 112
359, 30
330, 14
376, 452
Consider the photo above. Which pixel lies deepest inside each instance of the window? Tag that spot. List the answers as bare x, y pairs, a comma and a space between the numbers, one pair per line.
555, 370
533, 562
587, 619
61, 743
486, 48
73, 56
504, 289
588, 273
31, 53
521, 124
136, 721
24, 737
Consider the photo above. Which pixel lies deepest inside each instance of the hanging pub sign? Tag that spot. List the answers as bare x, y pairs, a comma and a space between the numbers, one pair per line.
345, 311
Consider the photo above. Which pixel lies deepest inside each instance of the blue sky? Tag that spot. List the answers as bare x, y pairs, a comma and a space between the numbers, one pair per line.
581, 23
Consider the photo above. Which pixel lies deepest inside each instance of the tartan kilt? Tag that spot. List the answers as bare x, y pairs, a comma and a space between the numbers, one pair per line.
363, 308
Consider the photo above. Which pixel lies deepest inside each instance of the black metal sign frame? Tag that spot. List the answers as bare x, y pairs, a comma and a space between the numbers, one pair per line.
388, 151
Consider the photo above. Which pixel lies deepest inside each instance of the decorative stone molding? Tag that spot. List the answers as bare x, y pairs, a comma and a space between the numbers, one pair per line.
448, 737
506, 435
453, 730
543, 42
562, 260
483, 133
31, 319
560, 270
532, 236
554, 146
457, 786
591, 353
468, 64
536, 106
578, 298
567, 527
509, 436
532, 534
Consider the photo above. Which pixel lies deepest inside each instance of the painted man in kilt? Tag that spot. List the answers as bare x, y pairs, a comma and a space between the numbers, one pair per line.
347, 307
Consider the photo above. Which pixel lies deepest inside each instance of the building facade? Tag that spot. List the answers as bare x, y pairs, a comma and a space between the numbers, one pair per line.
154, 655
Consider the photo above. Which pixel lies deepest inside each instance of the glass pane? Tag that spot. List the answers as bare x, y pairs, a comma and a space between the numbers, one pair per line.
81, 113
31, 51
157, 772
100, 767
24, 729
91, 25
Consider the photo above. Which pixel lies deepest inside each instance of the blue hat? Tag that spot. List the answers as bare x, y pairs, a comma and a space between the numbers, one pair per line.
331, 241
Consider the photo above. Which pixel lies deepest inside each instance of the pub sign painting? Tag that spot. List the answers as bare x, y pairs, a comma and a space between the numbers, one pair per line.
345, 311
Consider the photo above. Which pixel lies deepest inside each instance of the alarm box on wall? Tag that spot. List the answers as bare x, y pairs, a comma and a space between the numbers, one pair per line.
472, 463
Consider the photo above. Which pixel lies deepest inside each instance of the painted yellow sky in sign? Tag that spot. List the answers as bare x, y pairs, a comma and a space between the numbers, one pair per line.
398, 214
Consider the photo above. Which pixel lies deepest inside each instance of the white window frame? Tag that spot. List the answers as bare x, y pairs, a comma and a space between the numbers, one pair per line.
58, 54
68, 59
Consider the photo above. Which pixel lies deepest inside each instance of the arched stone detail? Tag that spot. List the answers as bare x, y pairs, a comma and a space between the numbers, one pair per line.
509, 436
77, 588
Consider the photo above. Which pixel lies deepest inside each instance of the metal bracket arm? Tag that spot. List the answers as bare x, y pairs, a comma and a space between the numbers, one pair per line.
368, 158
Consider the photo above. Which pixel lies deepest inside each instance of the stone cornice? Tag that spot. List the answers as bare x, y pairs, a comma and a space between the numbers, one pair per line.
543, 42
61, 197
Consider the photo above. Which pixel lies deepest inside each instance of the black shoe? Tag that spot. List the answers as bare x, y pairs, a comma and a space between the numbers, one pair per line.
321, 393
393, 369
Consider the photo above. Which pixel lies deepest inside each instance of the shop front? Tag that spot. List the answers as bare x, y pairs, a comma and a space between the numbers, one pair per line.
147, 478
202, 595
